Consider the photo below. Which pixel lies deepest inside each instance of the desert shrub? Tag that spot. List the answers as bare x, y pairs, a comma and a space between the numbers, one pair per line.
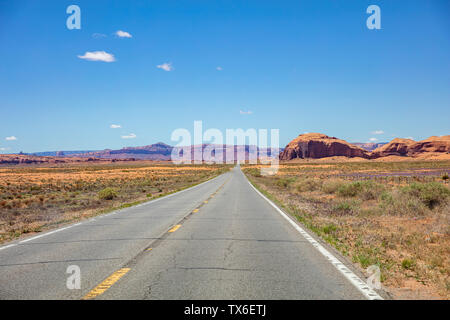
284, 182
408, 264
331, 186
400, 203
349, 189
366, 190
386, 198
254, 172
445, 177
146, 183
371, 190
107, 194
330, 228
365, 259
346, 207
307, 184
431, 194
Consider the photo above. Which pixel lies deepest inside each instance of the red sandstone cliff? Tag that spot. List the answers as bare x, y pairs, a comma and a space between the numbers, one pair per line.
317, 145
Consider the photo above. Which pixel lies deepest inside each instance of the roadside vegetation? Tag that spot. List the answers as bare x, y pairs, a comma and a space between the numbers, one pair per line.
394, 215
34, 198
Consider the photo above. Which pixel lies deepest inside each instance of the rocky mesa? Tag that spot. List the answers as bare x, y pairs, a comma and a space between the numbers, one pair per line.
397, 147
318, 145
411, 148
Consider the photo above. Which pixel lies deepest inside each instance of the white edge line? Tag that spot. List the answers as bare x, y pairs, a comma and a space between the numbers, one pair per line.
346, 272
8, 246
45, 234
114, 212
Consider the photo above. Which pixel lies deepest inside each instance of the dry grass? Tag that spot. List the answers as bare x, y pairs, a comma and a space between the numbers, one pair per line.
395, 215
34, 198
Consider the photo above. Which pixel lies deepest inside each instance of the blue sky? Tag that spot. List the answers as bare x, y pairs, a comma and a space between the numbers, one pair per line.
299, 66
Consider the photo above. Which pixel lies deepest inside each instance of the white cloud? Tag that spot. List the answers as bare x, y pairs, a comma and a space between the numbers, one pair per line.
4, 149
12, 138
130, 136
219, 68
98, 35
167, 66
98, 56
373, 139
377, 132
411, 138
115, 126
245, 112
123, 34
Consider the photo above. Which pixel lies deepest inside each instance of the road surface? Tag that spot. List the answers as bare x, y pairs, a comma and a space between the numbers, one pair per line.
218, 240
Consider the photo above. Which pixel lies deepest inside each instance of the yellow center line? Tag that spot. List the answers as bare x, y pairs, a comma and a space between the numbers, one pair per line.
106, 284
175, 228
195, 210
149, 249
206, 201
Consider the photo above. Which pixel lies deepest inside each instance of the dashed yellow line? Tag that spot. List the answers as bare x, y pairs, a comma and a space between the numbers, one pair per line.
109, 282
106, 284
175, 228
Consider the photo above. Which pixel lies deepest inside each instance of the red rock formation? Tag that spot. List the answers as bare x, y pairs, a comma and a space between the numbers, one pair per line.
317, 145
407, 147
397, 147
432, 144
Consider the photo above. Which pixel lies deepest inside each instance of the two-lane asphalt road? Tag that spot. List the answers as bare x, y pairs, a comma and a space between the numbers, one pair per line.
218, 240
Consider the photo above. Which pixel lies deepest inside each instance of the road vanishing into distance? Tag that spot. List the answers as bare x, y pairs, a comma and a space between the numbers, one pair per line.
218, 240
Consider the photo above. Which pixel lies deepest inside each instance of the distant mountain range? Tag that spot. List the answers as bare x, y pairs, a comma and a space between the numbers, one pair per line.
310, 145
58, 153
161, 152
369, 146
157, 151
